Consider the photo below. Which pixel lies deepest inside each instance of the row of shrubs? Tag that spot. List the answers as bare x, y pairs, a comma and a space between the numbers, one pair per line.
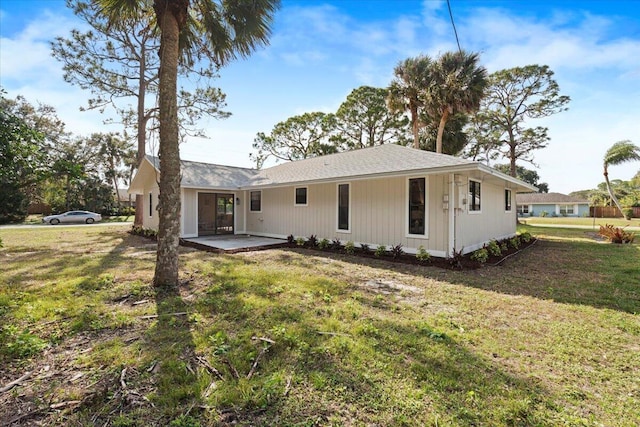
349, 248
139, 230
496, 248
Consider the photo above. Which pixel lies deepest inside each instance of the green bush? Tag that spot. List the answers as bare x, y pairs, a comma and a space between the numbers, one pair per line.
544, 213
481, 255
494, 248
525, 237
300, 241
350, 247
19, 344
397, 251
323, 244
381, 251
514, 242
628, 213
422, 255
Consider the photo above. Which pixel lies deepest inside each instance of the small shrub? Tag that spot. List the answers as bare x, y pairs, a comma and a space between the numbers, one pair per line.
628, 213
422, 255
323, 244
185, 421
544, 213
616, 234
291, 239
381, 251
481, 255
455, 260
365, 248
525, 237
397, 251
494, 248
504, 247
1, 242
336, 244
514, 242
312, 241
349, 247
300, 241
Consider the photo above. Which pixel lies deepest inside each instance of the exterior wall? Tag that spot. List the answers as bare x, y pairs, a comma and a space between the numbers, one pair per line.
378, 213
473, 229
150, 221
239, 206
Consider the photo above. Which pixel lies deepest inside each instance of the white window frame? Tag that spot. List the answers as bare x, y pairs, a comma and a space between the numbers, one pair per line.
469, 211
426, 208
251, 205
565, 205
295, 196
528, 207
338, 229
510, 210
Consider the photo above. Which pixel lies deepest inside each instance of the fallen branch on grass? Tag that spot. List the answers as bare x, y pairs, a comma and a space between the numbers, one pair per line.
209, 367
14, 383
155, 316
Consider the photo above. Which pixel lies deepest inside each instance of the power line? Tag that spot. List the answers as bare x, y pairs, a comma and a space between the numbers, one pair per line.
454, 26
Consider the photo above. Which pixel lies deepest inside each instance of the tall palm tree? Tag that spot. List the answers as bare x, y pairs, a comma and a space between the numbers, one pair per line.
620, 152
411, 76
232, 28
456, 85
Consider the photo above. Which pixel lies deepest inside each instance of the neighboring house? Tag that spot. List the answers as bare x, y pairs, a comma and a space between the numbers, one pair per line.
383, 195
554, 204
125, 198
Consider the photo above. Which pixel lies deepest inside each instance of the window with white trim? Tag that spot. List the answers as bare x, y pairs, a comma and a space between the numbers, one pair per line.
507, 200
301, 196
150, 204
566, 210
522, 209
417, 206
474, 196
343, 207
255, 201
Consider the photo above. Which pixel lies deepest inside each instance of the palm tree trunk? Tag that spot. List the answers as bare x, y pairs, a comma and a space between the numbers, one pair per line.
611, 194
415, 127
443, 122
166, 272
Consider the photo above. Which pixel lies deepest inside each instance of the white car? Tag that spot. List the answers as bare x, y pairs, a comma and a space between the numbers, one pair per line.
73, 216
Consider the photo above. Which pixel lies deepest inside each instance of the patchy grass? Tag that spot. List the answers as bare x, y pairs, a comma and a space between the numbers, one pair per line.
292, 337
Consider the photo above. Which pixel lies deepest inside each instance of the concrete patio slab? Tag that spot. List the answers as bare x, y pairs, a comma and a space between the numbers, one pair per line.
233, 242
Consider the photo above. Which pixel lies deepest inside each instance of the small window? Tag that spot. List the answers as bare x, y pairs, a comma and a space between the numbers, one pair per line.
474, 196
522, 209
256, 201
343, 207
507, 200
301, 196
150, 204
417, 206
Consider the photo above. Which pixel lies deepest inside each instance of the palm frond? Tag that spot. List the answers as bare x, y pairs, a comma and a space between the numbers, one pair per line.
621, 152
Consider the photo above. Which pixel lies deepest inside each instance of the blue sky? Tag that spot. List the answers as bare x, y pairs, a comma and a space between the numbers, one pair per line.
321, 50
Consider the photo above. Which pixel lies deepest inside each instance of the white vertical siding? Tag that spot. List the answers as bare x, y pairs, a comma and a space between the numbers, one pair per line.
493, 222
189, 213
378, 213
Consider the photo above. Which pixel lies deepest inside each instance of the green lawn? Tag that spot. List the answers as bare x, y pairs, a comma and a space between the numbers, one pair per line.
298, 338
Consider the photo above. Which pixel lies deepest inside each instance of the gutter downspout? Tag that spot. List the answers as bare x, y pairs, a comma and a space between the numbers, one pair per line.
452, 216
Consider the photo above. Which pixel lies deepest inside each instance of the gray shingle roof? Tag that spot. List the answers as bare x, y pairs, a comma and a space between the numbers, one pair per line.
533, 198
207, 175
381, 159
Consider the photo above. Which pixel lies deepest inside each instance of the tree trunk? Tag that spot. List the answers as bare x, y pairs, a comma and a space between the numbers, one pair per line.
415, 127
611, 194
142, 131
443, 122
166, 272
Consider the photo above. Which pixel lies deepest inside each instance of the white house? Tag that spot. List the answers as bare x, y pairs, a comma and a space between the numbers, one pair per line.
383, 195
